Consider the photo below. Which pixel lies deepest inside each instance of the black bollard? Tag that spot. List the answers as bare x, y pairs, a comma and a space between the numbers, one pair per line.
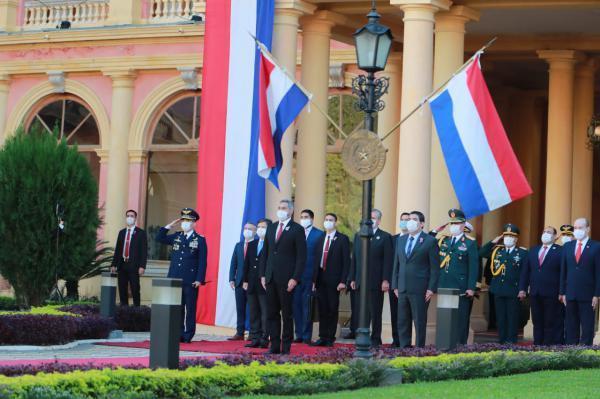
446, 334
108, 294
165, 325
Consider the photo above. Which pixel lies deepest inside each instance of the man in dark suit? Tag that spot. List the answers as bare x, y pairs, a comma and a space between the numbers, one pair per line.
541, 277
414, 279
580, 284
281, 266
129, 259
404, 218
236, 279
256, 294
379, 274
188, 263
332, 264
303, 293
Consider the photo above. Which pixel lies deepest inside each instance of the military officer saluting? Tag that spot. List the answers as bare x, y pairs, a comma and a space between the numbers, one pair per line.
459, 263
506, 263
188, 262
566, 233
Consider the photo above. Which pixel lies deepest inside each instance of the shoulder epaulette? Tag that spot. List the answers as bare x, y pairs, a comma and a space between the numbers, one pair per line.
523, 248
441, 239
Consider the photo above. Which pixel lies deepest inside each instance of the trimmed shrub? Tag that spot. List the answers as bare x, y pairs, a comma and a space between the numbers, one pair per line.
197, 382
44, 329
8, 303
127, 318
464, 366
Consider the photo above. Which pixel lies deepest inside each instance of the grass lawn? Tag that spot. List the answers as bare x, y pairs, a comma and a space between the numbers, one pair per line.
542, 385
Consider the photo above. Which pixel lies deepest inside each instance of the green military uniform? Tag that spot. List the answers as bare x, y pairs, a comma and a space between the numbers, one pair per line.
505, 267
459, 263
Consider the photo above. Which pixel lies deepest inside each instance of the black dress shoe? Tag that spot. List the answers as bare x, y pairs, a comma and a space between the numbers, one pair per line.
298, 341
253, 344
285, 352
350, 335
319, 342
273, 351
186, 340
307, 341
264, 344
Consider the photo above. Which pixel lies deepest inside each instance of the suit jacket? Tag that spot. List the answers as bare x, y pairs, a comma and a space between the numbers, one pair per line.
236, 268
419, 272
188, 256
580, 281
252, 269
338, 260
542, 280
283, 260
311, 247
138, 249
381, 259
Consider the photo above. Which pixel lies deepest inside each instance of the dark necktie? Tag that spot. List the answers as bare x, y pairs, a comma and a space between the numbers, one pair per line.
411, 241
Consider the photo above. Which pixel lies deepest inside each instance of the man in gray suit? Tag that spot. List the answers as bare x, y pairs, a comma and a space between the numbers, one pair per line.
414, 279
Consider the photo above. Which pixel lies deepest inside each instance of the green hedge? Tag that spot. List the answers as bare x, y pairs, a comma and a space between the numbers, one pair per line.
196, 382
462, 366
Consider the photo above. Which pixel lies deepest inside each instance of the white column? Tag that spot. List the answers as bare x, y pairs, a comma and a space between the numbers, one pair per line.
4, 90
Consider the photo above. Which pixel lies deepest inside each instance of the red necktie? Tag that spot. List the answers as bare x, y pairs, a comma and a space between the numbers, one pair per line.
542, 255
245, 248
578, 252
325, 252
279, 231
127, 242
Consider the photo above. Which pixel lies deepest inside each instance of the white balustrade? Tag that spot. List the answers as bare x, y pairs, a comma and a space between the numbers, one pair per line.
50, 13
165, 11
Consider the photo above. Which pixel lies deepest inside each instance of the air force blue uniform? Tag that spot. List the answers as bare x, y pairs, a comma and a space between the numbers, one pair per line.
188, 262
303, 292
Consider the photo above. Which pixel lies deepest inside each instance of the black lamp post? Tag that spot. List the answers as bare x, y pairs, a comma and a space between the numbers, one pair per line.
373, 43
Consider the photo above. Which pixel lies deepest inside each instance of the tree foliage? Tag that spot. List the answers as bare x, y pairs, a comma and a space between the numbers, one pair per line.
38, 173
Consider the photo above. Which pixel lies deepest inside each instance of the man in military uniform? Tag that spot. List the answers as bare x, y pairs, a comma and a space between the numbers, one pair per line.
506, 263
188, 262
459, 264
566, 233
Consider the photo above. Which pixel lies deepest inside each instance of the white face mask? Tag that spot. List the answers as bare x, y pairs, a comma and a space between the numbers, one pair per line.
306, 223
547, 238
509, 241
412, 226
282, 215
403, 224
186, 226
374, 221
455, 229
328, 224
130, 220
248, 234
261, 232
579, 234
565, 239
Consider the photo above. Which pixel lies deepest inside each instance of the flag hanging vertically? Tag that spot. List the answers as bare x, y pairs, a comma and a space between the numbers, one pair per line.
230, 190
481, 163
281, 101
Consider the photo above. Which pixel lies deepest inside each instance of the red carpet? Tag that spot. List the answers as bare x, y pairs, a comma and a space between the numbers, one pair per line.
226, 347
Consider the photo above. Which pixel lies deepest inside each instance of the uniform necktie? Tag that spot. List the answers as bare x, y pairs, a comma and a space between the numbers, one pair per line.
578, 252
127, 242
409, 250
325, 253
279, 231
260, 245
245, 248
542, 255
453, 241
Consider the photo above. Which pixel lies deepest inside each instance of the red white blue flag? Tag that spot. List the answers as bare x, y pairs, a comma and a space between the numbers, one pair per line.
230, 190
483, 167
280, 102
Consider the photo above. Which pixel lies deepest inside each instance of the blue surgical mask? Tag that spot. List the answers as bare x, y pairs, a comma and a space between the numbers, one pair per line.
403, 224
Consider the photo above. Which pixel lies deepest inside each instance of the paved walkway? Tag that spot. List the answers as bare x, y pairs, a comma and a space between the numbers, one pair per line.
92, 351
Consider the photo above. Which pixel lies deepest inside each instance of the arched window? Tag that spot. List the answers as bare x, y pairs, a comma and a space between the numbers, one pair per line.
172, 165
70, 118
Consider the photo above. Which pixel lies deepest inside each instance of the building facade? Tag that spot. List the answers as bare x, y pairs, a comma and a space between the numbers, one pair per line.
122, 80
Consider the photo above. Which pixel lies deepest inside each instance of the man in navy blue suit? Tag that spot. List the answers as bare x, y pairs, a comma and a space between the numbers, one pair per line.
541, 277
188, 262
303, 324
236, 279
580, 284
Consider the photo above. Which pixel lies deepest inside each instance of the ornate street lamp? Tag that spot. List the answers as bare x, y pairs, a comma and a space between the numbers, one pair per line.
593, 133
363, 152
